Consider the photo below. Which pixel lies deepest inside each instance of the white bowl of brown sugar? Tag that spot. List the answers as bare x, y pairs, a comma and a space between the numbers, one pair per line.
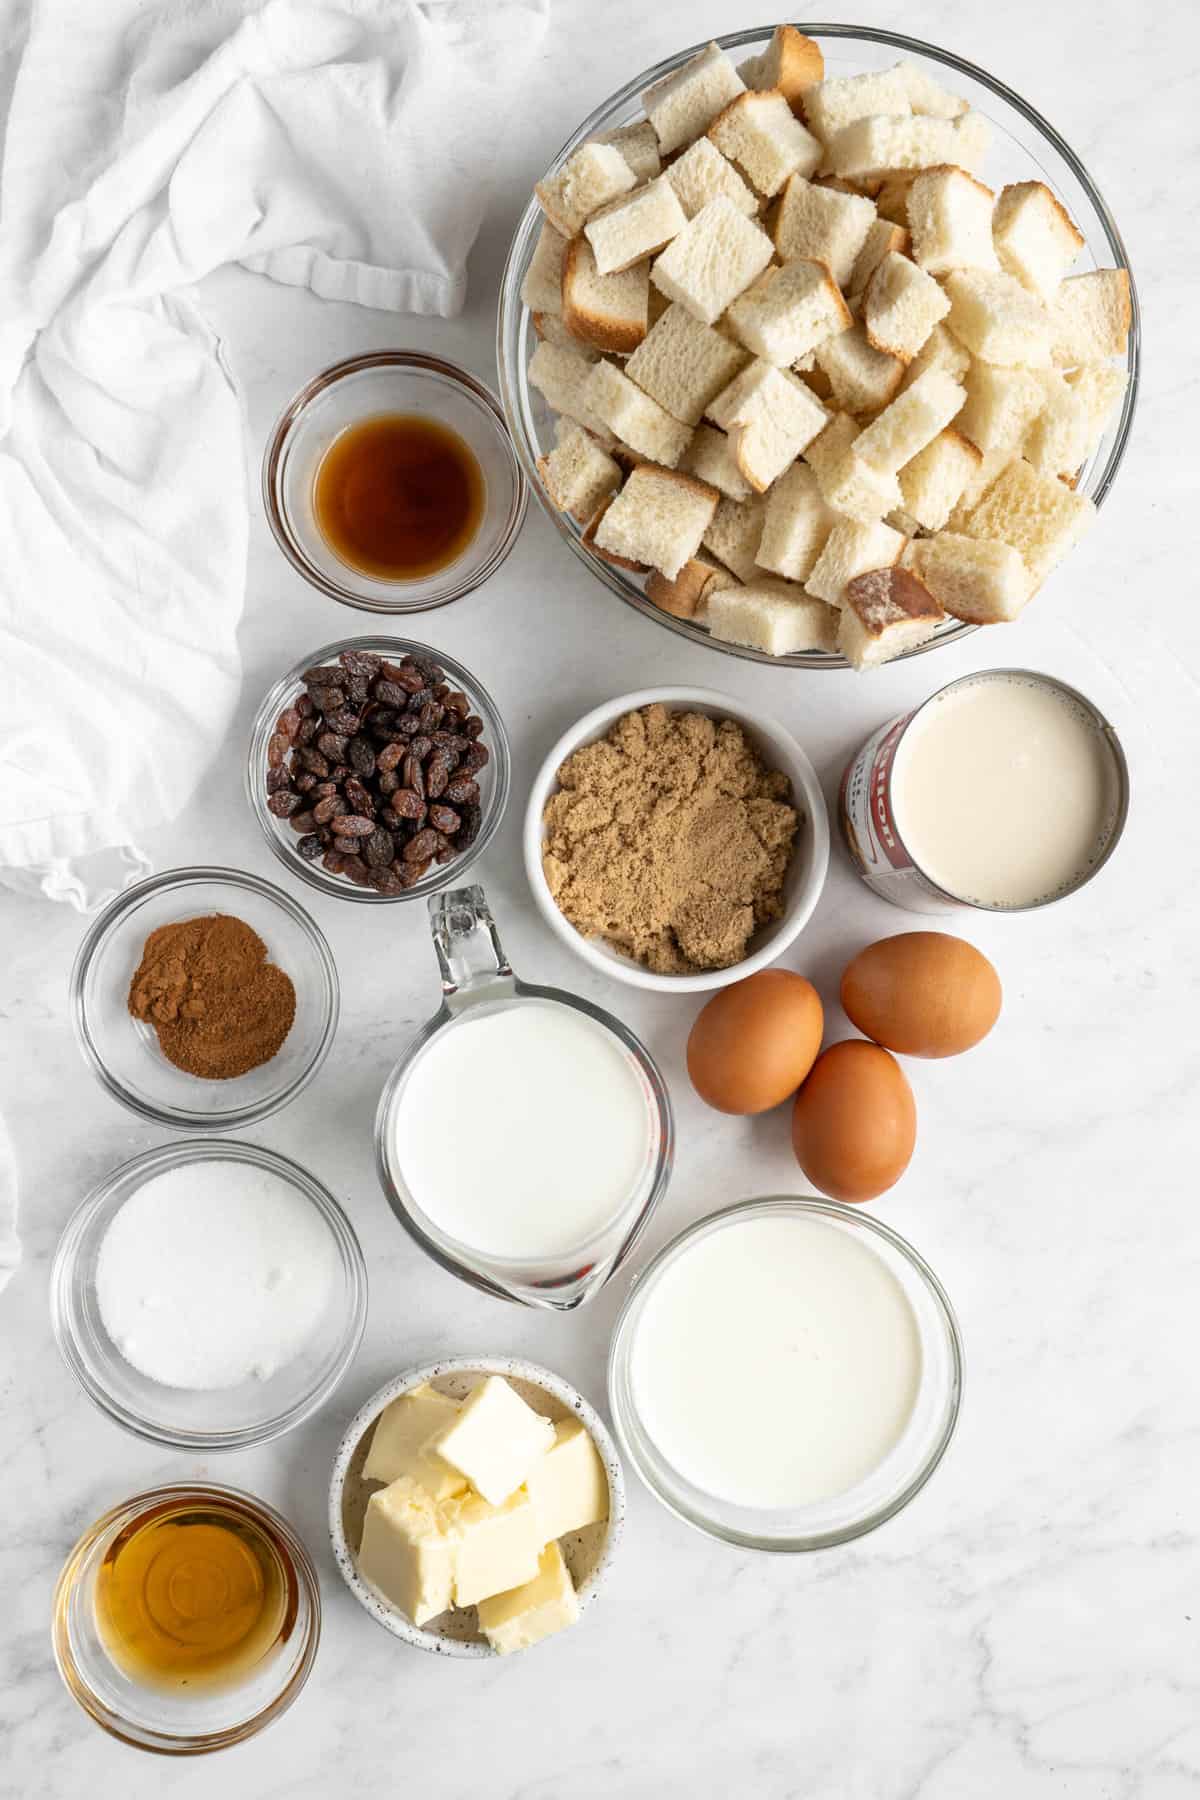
676, 840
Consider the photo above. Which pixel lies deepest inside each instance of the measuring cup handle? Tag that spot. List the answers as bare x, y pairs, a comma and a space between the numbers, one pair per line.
469, 952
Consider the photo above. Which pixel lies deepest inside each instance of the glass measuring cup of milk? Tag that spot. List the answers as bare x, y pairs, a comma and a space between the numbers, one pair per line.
525, 1136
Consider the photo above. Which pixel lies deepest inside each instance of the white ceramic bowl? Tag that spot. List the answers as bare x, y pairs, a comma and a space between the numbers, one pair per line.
806, 872
588, 1553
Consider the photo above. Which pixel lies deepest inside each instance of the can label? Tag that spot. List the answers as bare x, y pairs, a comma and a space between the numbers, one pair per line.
868, 825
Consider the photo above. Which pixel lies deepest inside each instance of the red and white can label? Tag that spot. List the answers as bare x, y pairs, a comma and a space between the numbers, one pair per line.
868, 824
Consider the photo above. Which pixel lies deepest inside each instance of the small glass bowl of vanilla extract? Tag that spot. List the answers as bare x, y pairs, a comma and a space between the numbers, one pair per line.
391, 483
187, 1619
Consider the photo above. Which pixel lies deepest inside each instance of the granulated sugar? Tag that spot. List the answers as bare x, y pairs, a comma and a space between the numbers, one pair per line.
212, 1274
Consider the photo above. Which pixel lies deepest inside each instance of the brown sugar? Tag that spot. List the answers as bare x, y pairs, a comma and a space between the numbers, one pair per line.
670, 839
218, 1006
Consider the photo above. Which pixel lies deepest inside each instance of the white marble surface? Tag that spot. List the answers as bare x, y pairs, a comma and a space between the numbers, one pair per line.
1029, 1626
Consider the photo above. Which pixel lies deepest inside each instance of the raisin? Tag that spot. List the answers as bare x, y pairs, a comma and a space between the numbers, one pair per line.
446, 854
387, 782
276, 778
463, 789
322, 675
327, 700
444, 818
385, 880
389, 757
473, 758
360, 662
310, 847
361, 758
420, 747
356, 869
380, 848
413, 775
314, 762
277, 749
425, 665
331, 806
284, 804
359, 799
343, 719
333, 862
345, 846
437, 774
288, 722
304, 783
408, 804
421, 847
404, 676
358, 689
309, 728
457, 703
353, 825
472, 819
332, 745
302, 821
430, 715
303, 705
411, 872
391, 693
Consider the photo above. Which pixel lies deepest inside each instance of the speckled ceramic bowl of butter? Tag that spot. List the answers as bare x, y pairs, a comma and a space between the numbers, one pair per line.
588, 1554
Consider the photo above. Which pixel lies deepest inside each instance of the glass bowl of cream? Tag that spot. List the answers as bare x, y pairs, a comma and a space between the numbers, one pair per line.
209, 1296
786, 1374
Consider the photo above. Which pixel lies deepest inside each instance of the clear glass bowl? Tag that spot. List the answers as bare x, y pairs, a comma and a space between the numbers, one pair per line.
903, 1472
123, 1052
1025, 147
390, 381
172, 1723
231, 1418
493, 778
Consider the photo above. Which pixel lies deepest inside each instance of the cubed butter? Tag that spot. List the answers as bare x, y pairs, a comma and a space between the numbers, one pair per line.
494, 1547
525, 1615
568, 1487
401, 1434
495, 1440
405, 1552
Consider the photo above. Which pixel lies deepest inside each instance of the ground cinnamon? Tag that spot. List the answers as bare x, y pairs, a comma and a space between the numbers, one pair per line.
218, 1006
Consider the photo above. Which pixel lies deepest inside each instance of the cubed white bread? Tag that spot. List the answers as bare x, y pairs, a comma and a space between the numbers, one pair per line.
822, 224
560, 375
588, 536
702, 173
658, 303
1100, 386
552, 329
833, 104
858, 490
883, 239
901, 306
791, 62
1035, 237
768, 143
713, 259
986, 583
1058, 440
913, 420
1090, 317
795, 526
541, 290
609, 312
710, 458
851, 549
903, 522
636, 419
998, 319
925, 95
777, 617
682, 106
950, 221
861, 378
883, 145
578, 475
734, 535
891, 202
829, 449
588, 180
981, 482
771, 417
789, 311
684, 365
658, 518
683, 595
933, 481
885, 612
941, 350
638, 144
1001, 405
635, 227
1036, 514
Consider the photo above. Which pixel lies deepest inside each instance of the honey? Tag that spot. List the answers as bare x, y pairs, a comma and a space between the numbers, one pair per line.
398, 496
194, 1596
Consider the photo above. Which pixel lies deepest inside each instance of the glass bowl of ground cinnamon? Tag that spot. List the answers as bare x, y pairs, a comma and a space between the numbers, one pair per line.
204, 998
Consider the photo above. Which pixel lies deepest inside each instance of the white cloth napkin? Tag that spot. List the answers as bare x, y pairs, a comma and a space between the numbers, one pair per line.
343, 146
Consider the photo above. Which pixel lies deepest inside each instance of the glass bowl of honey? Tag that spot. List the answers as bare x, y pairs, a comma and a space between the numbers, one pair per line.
187, 1619
391, 483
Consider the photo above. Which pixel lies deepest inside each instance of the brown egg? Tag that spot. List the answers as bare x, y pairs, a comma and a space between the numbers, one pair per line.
923, 993
753, 1043
854, 1123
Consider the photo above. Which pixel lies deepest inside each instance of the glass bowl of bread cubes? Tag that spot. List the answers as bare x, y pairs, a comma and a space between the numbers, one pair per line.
819, 350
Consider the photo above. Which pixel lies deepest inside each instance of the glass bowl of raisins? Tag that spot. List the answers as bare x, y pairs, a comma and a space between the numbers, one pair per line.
378, 769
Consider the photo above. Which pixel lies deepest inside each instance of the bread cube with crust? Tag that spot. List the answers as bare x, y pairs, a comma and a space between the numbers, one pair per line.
822, 224
607, 311
684, 365
998, 319
885, 612
588, 180
934, 480
837, 102
635, 227
861, 378
702, 173
578, 475
734, 534
541, 290
770, 417
713, 259
983, 582
638, 144
710, 458
636, 419
851, 549
1036, 514
990, 469
682, 595
950, 221
789, 311
1090, 317
560, 374
901, 306
796, 524
760, 133
1035, 237
658, 518
683, 105
883, 239
791, 62
775, 616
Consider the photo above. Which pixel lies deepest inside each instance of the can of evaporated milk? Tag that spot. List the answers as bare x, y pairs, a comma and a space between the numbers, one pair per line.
1004, 791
